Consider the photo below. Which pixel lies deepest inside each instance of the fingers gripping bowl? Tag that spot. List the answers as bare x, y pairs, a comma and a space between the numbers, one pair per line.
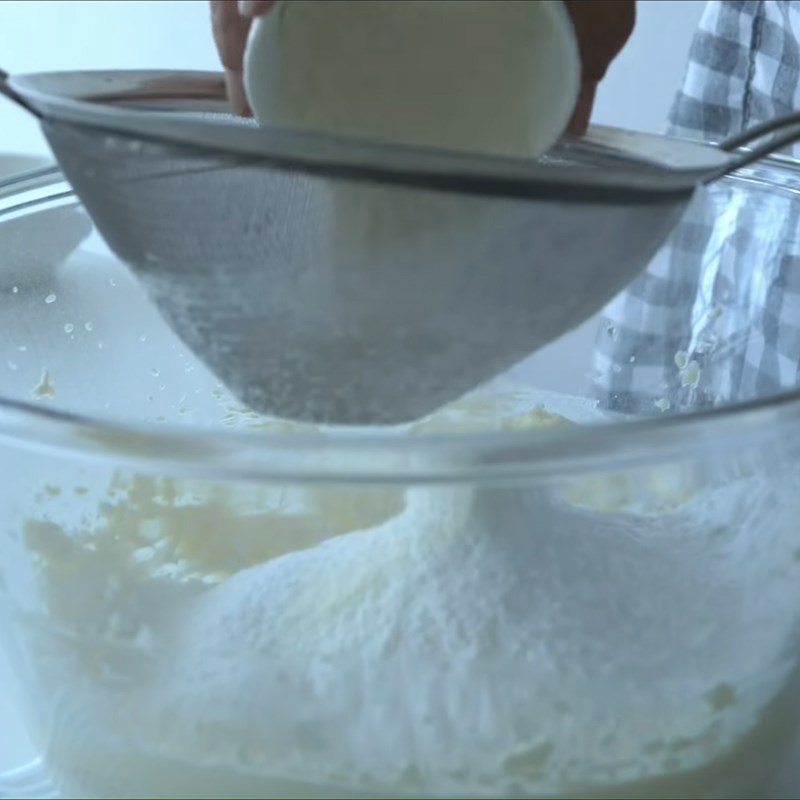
201, 600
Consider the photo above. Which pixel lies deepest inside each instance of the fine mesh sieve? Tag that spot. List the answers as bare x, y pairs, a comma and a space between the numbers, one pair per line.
347, 282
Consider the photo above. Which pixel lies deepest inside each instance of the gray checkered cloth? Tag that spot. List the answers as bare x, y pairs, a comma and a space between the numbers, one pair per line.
716, 317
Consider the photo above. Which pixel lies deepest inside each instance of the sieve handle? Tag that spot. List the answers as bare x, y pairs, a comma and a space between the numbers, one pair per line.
14, 97
758, 131
782, 131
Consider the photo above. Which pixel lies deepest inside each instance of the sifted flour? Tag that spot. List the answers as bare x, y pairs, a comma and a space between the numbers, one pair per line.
604, 630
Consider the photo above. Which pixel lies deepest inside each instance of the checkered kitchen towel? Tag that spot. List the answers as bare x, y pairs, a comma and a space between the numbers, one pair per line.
716, 318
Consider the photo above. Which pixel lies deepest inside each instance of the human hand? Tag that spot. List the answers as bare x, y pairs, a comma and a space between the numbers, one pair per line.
602, 27
230, 23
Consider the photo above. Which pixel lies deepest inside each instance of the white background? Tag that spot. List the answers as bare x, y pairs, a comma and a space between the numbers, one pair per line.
105, 35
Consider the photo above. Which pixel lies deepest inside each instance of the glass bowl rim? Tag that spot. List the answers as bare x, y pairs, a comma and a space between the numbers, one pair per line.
385, 456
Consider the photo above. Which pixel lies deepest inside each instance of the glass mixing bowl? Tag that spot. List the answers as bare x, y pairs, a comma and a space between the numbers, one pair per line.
583, 579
